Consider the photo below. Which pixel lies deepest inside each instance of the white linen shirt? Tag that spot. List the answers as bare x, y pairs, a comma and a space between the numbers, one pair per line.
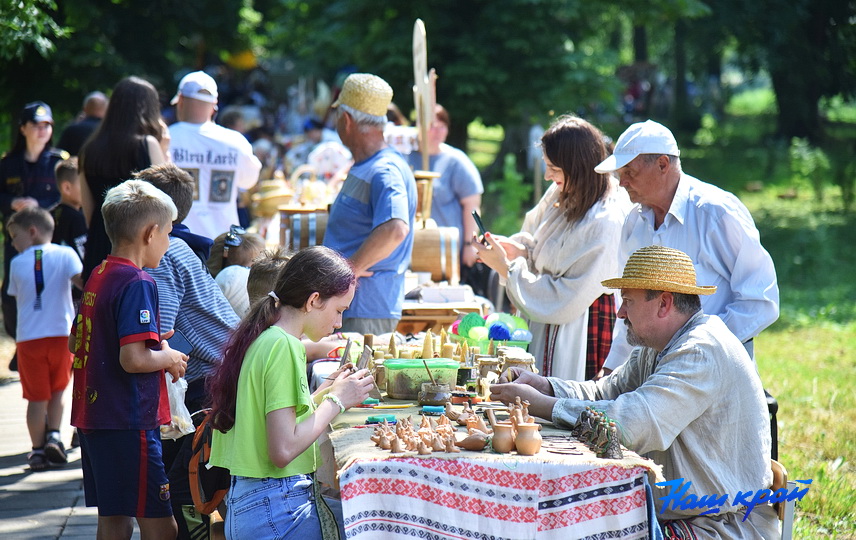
696, 408
561, 278
716, 230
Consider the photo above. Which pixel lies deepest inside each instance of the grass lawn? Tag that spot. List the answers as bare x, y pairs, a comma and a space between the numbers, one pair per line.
807, 359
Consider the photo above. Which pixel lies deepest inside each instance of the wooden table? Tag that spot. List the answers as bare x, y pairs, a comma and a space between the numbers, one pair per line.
422, 316
483, 494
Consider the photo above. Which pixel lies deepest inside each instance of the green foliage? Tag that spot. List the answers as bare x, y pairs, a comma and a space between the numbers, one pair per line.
753, 102
484, 143
502, 61
156, 39
807, 46
837, 109
511, 198
706, 134
809, 165
28, 24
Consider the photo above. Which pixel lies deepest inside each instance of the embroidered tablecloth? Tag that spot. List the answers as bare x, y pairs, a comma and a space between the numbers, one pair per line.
485, 495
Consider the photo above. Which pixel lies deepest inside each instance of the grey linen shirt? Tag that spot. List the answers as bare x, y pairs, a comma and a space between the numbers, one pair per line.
698, 409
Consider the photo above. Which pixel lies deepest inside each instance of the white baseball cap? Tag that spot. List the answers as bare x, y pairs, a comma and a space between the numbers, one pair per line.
197, 85
646, 137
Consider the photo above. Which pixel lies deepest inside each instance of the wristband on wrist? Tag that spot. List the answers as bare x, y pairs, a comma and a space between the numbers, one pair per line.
335, 399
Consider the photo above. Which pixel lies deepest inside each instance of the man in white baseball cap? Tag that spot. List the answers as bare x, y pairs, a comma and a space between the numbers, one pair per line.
646, 137
221, 160
197, 85
712, 226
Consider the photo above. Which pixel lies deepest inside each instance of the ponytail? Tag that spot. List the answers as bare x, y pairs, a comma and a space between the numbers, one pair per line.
313, 269
223, 386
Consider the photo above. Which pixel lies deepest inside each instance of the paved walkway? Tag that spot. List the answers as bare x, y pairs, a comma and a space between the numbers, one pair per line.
43, 505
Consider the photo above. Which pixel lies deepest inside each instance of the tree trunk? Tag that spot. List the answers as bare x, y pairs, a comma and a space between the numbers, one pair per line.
797, 100
458, 133
640, 44
516, 141
684, 118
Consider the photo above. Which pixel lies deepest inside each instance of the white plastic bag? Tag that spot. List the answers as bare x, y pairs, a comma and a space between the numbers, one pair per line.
181, 423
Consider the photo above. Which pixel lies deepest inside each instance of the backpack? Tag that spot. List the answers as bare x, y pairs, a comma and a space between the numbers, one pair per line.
208, 484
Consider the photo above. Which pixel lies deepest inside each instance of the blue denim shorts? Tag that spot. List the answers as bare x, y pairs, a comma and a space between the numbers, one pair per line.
272, 508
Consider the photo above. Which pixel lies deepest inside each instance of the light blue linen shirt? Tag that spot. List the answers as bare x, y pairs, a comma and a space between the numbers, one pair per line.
459, 179
376, 190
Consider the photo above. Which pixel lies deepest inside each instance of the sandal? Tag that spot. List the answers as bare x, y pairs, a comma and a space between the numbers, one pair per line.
38, 461
54, 449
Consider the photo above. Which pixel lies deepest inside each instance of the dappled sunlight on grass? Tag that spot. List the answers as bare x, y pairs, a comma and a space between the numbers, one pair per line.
811, 371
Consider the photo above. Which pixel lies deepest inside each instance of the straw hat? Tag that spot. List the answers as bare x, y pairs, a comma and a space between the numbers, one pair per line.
366, 93
658, 268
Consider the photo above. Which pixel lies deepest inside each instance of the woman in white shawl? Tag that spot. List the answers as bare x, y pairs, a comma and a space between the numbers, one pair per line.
569, 244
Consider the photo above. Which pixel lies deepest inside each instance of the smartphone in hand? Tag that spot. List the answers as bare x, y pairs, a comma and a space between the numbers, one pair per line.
480, 225
180, 343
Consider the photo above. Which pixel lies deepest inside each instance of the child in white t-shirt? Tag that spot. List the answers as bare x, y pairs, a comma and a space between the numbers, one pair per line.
229, 263
40, 278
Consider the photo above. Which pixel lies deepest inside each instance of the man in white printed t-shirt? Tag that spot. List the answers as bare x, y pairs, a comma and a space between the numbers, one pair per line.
220, 160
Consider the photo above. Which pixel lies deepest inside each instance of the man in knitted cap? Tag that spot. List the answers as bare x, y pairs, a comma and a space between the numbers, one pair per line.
371, 220
689, 398
710, 225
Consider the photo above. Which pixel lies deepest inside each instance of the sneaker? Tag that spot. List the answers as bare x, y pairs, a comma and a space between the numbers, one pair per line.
37, 460
54, 449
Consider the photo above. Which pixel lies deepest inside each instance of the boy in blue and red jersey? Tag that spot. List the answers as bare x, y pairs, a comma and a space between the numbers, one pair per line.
120, 400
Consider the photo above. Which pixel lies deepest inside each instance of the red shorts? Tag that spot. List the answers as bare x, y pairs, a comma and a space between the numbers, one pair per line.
44, 366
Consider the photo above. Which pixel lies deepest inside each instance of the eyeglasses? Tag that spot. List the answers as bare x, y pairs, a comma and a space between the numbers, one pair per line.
234, 238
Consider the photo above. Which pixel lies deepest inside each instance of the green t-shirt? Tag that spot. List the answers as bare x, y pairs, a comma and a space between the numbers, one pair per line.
272, 377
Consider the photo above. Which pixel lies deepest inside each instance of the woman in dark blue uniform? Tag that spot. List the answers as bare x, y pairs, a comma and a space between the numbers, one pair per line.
27, 179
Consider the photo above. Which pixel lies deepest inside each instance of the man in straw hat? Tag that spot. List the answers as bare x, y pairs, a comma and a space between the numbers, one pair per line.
689, 398
371, 220
710, 225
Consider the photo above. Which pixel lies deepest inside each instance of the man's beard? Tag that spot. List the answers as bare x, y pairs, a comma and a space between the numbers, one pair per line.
632, 337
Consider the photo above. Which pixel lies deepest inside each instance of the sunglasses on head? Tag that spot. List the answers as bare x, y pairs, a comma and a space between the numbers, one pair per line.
234, 238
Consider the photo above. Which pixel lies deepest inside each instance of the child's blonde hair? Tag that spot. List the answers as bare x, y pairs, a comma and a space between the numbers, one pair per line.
36, 217
133, 205
248, 247
264, 271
